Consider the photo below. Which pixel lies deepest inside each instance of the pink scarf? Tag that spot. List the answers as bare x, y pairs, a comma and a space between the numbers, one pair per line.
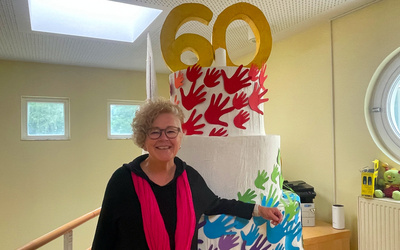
153, 223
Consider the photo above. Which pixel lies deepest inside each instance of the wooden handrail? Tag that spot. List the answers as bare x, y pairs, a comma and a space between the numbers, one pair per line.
43, 240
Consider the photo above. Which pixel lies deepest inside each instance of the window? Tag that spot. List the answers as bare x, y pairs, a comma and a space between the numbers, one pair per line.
103, 19
120, 116
382, 106
44, 118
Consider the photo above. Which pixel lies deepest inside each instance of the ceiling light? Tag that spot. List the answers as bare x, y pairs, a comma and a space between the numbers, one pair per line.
91, 18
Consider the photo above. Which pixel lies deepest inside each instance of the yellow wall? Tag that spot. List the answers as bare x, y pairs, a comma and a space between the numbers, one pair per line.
305, 79
45, 184
316, 103
300, 110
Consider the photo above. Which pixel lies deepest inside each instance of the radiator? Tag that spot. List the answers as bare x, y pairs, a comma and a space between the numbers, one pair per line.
378, 224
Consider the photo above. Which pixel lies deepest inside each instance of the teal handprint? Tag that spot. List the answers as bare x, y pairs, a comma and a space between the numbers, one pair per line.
248, 196
261, 179
219, 227
275, 173
251, 236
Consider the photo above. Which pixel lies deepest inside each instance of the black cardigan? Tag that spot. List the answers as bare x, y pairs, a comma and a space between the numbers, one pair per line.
120, 224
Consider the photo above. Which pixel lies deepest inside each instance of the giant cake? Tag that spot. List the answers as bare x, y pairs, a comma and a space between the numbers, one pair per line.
225, 138
226, 142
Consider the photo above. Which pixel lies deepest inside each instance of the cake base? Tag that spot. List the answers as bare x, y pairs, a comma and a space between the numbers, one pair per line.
236, 164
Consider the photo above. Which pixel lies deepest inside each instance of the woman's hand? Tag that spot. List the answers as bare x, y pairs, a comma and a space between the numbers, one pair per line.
272, 214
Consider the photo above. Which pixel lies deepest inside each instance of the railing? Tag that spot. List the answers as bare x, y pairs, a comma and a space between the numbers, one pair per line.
65, 230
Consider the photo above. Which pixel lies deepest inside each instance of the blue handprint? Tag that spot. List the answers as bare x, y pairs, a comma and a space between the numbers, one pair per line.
259, 220
240, 222
294, 232
278, 232
271, 200
285, 228
279, 247
251, 236
219, 227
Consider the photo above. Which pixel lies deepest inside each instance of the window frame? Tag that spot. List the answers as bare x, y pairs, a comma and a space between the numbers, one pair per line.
24, 118
377, 108
118, 102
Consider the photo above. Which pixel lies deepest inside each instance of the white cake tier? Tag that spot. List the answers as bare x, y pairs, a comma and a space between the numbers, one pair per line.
228, 99
233, 164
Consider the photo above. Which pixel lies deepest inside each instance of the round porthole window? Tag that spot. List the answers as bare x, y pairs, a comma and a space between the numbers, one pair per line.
382, 106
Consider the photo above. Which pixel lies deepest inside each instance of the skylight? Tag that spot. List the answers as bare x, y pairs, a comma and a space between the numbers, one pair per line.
91, 18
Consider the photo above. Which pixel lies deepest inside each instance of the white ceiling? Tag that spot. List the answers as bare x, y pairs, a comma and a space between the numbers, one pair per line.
286, 17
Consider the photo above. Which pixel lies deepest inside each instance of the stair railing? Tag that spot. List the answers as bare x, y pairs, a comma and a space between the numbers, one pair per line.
65, 230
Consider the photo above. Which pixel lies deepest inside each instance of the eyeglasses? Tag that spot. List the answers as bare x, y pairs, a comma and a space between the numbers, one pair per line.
170, 132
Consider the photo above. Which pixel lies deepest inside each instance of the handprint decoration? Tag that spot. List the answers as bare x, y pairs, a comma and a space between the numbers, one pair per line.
224, 96
194, 97
193, 73
241, 119
190, 128
237, 81
211, 78
253, 72
216, 110
255, 99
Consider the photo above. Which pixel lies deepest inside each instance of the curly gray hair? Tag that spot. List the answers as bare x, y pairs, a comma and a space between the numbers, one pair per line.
147, 113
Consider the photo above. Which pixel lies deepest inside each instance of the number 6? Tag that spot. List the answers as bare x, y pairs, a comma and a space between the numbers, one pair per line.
172, 49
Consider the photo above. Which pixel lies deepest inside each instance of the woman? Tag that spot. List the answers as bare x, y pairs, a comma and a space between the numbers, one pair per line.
156, 200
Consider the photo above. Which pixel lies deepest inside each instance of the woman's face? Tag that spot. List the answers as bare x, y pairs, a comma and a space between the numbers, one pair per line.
164, 149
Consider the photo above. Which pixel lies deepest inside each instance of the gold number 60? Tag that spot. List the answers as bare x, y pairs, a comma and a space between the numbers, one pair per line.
172, 48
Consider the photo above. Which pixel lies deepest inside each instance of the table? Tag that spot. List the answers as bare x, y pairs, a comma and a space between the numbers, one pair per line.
324, 237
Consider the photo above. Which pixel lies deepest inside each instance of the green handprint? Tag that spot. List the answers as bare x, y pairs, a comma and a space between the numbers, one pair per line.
272, 197
291, 208
248, 196
275, 173
261, 179
270, 200
281, 180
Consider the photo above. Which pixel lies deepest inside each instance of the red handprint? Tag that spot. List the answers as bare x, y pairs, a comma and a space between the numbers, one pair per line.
253, 72
190, 128
241, 119
210, 80
193, 98
178, 79
216, 110
220, 132
240, 101
262, 76
237, 81
176, 101
255, 99
193, 73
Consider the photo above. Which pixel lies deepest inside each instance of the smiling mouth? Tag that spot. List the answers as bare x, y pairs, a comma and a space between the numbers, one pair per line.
163, 147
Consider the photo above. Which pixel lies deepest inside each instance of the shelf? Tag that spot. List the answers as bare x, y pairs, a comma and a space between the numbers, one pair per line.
324, 237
